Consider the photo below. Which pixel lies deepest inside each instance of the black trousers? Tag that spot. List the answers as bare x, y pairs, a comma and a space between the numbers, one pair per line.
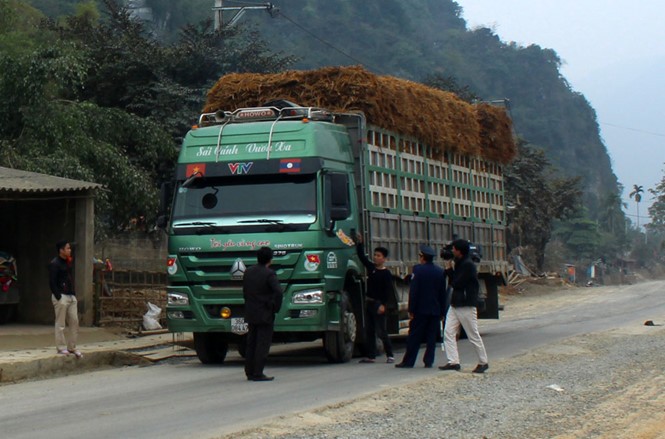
259, 339
425, 328
377, 327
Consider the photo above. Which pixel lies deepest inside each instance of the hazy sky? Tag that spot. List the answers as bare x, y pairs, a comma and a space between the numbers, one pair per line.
614, 54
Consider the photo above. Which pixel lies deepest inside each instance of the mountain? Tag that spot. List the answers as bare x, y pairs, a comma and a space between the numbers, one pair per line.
417, 38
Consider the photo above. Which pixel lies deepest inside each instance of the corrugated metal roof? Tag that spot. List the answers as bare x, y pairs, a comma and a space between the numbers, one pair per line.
13, 180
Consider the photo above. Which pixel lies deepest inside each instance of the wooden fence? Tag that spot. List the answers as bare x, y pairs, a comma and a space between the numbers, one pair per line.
122, 296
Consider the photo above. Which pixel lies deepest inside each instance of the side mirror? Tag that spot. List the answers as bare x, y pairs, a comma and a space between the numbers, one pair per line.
339, 213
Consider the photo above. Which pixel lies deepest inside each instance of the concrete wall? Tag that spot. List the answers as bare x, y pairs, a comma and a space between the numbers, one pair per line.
138, 251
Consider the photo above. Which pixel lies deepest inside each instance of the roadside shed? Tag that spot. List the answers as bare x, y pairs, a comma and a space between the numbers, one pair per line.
36, 211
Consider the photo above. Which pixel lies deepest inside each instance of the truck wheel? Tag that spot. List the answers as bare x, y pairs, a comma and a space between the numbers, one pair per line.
339, 344
211, 347
491, 310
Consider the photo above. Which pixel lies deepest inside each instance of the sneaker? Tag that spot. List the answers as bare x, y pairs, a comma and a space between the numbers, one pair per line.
390, 360
450, 366
77, 353
367, 360
481, 368
63, 352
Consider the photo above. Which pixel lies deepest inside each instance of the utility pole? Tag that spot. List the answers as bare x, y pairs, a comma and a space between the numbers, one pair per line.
219, 8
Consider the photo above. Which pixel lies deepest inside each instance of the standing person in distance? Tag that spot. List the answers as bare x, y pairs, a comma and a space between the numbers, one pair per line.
263, 299
64, 301
379, 288
463, 311
427, 303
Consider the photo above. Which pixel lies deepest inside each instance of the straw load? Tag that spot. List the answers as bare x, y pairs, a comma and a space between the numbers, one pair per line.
435, 117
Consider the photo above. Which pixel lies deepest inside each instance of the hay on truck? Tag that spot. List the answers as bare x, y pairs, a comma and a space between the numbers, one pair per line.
435, 117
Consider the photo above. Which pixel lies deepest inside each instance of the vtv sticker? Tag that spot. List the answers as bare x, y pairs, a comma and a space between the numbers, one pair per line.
240, 168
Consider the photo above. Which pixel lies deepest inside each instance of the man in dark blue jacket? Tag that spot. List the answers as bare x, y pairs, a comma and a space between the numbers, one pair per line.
463, 311
427, 304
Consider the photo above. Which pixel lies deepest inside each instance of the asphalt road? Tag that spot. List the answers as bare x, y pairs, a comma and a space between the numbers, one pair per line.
187, 399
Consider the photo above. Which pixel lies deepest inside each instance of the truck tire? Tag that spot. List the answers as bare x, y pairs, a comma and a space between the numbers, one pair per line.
491, 310
339, 344
211, 347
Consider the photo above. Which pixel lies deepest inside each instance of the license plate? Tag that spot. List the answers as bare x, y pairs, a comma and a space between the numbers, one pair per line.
238, 326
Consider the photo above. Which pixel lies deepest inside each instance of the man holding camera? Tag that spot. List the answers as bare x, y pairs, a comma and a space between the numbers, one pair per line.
463, 302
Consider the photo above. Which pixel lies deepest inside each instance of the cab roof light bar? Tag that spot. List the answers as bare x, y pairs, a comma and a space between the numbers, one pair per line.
265, 114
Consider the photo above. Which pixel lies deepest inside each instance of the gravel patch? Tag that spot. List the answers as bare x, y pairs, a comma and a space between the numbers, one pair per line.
608, 384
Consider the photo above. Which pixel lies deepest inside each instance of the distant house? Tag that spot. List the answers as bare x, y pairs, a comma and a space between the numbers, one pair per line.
36, 211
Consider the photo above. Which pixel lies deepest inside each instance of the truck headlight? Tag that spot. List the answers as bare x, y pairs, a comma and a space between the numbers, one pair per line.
178, 299
307, 297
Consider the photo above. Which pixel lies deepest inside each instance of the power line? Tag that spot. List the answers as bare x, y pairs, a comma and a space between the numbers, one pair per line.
634, 129
315, 36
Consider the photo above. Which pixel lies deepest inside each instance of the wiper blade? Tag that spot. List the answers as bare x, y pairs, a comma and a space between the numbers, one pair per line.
196, 223
263, 221
204, 226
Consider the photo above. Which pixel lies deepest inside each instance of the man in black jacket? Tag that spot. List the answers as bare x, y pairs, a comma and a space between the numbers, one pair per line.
64, 300
463, 311
263, 299
379, 288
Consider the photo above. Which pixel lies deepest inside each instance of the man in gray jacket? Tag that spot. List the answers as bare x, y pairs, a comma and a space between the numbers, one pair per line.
263, 299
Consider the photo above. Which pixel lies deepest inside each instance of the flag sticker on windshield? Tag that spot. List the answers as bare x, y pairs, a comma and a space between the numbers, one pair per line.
289, 165
198, 169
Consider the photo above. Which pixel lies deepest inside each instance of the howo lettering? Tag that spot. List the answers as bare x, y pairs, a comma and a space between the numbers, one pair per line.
238, 187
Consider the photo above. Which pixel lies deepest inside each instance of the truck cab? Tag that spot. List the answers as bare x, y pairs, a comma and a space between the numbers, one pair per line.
265, 177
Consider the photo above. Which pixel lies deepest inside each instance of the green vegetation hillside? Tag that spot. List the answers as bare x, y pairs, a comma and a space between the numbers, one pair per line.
148, 68
416, 40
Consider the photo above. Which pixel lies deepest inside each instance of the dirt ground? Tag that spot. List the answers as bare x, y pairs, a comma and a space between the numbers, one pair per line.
637, 411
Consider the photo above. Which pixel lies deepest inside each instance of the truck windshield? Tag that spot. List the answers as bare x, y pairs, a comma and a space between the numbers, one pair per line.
261, 199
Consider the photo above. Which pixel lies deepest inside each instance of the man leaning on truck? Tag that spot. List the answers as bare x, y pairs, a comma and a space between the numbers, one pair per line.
379, 287
263, 299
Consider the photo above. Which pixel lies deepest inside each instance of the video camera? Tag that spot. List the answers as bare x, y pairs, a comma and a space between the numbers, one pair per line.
475, 253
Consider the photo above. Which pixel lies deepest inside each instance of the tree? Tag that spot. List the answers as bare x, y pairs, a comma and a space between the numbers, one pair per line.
99, 100
56, 134
580, 235
657, 209
536, 195
637, 194
610, 215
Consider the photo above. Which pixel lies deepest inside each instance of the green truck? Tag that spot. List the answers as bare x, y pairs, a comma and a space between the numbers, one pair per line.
304, 181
